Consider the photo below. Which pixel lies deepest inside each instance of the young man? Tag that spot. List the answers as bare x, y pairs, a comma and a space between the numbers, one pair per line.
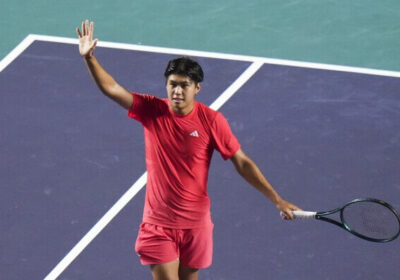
175, 238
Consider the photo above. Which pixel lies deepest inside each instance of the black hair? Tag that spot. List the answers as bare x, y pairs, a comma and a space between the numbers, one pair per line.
185, 66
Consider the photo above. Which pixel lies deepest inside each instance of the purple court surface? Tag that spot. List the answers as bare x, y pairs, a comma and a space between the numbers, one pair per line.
67, 154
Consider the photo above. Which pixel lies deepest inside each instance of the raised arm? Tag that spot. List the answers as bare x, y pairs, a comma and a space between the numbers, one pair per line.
103, 80
252, 174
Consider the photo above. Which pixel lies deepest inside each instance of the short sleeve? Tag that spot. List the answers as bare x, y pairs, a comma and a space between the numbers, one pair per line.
225, 141
144, 107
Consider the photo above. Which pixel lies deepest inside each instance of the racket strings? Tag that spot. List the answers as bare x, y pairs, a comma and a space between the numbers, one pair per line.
372, 220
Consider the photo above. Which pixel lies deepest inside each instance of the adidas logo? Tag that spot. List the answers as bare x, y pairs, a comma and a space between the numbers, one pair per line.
194, 134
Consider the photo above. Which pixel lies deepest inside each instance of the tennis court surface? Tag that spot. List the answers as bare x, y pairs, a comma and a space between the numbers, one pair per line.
72, 164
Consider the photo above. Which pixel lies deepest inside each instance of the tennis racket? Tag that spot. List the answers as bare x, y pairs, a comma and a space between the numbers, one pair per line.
368, 218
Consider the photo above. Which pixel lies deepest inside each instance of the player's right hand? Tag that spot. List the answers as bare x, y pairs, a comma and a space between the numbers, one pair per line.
86, 42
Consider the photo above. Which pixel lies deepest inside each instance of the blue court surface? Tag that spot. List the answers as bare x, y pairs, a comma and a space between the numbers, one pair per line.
72, 164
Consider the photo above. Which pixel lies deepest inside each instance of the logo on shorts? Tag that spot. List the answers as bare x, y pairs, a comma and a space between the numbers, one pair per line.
194, 134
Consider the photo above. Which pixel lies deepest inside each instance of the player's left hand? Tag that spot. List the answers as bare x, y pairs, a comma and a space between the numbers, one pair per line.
286, 208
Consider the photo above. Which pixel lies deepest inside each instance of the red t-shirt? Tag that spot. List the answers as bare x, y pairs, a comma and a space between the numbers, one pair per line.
178, 154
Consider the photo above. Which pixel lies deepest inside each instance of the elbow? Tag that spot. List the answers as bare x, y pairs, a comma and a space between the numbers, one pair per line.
109, 89
241, 162
243, 166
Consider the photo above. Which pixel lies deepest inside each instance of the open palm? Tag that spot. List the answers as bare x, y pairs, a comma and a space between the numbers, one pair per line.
86, 42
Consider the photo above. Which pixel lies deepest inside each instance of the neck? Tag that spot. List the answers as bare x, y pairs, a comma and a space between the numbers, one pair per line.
182, 111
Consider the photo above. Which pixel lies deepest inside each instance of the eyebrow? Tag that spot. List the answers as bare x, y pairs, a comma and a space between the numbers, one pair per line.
180, 83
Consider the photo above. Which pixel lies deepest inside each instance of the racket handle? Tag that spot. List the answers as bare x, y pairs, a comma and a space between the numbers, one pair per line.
298, 214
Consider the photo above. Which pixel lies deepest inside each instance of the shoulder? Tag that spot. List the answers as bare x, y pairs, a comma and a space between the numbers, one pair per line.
209, 114
143, 99
146, 105
146, 98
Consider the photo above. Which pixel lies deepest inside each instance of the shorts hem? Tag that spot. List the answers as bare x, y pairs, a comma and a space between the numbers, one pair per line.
146, 262
195, 266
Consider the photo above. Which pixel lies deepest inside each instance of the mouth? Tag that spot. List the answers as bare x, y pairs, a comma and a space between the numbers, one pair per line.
178, 100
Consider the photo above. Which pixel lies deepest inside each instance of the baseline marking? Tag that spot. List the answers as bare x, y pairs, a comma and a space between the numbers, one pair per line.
321, 66
140, 183
16, 52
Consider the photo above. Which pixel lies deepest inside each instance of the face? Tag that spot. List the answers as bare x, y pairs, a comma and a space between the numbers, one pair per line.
181, 93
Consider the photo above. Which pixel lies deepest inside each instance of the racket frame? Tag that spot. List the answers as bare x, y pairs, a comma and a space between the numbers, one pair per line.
342, 223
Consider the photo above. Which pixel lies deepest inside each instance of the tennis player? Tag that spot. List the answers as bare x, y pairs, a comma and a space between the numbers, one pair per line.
175, 237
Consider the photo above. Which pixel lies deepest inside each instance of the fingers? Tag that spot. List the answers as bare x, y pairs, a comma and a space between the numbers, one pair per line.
287, 215
294, 207
287, 209
83, 28
78, 32
93, 44
91, 30
87, 29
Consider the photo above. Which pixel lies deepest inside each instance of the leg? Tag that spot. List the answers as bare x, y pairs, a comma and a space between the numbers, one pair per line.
165, 271
188, 273
195, 252
156, 247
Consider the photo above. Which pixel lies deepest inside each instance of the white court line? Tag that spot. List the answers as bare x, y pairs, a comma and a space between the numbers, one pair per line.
174, 51
233, 88
16, 52
140, 183
97, 228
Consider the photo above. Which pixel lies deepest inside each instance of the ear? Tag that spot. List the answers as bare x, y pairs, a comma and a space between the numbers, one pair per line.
198, 88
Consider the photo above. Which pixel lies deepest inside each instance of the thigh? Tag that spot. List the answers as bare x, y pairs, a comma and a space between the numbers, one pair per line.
156, 245
166, 271
188, 273
196, 247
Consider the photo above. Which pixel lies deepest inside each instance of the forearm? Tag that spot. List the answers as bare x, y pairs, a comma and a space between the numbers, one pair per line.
103, 80
107, 84
252, 174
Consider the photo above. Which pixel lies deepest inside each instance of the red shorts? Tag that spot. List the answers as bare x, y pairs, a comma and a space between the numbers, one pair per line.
157, 245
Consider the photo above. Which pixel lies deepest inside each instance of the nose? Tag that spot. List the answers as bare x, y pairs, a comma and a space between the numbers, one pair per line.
178, 90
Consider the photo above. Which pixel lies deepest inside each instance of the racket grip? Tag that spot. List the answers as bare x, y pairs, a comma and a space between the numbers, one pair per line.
298, 214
